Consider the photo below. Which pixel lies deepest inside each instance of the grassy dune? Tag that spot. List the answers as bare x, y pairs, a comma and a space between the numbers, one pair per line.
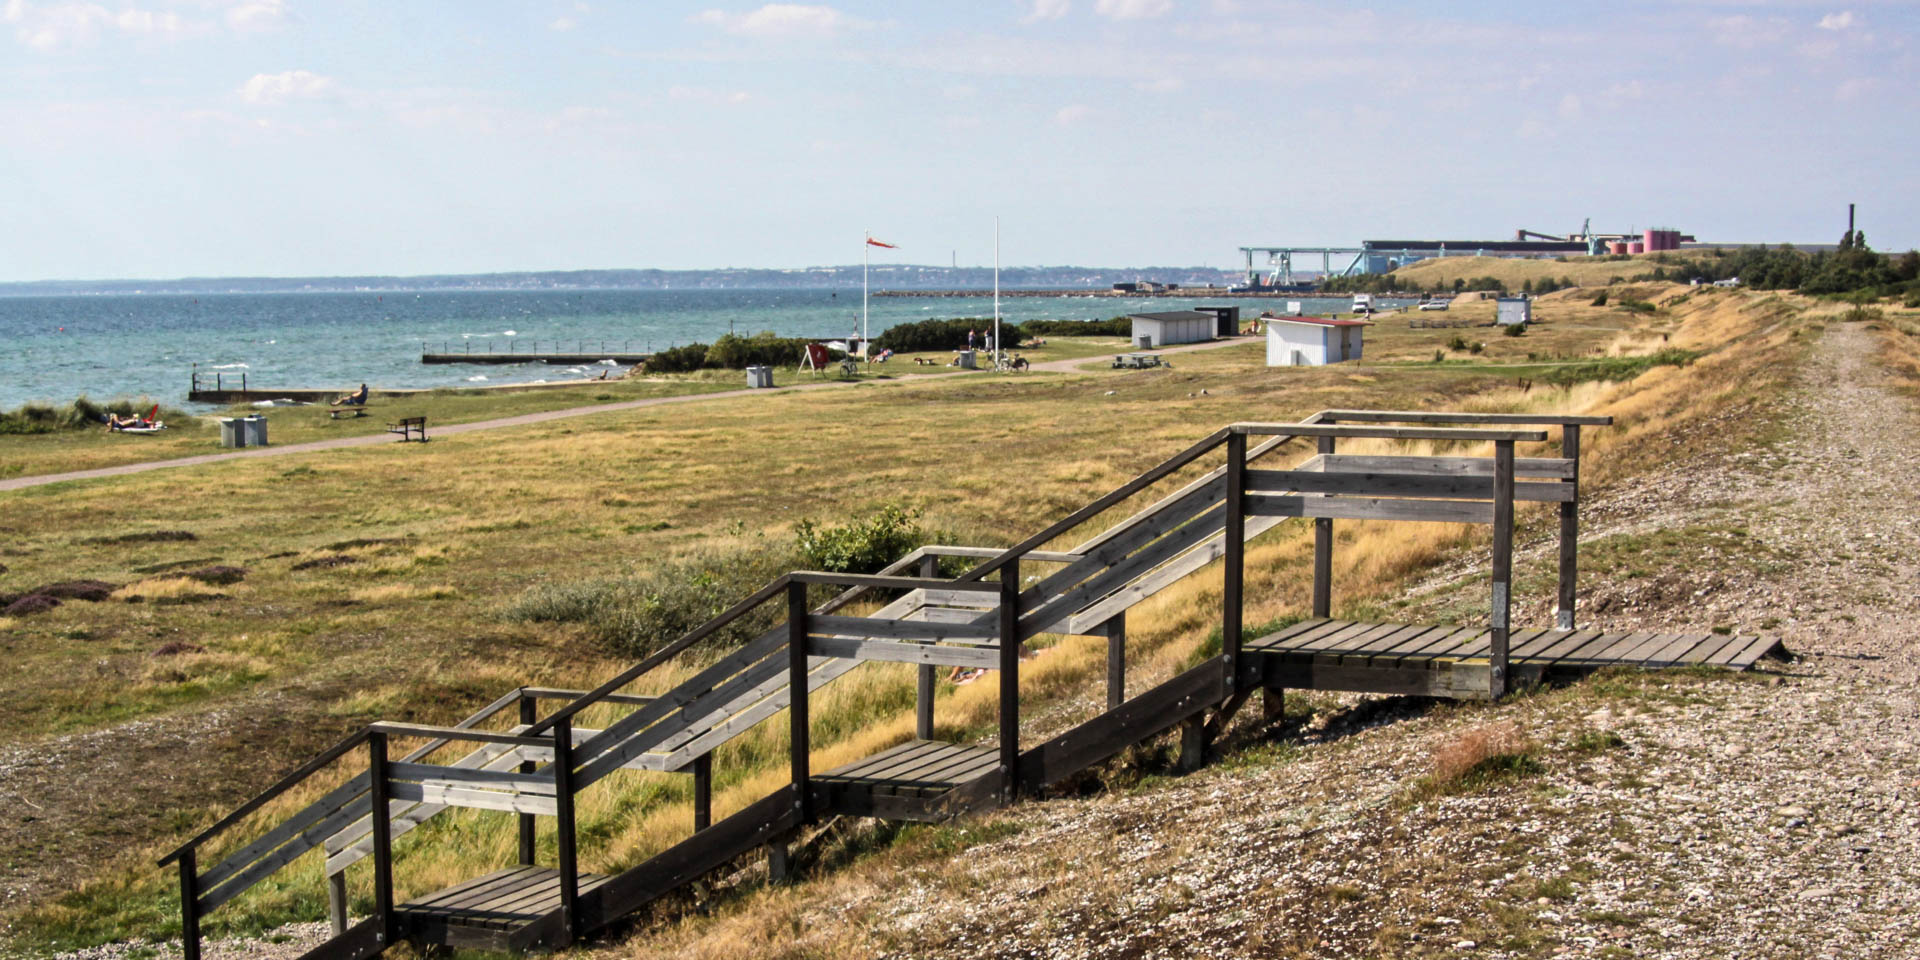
1440, 272
376, 575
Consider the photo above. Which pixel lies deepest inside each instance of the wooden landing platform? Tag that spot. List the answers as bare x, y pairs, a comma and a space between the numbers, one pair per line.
1452, 661
512, 909
917, 780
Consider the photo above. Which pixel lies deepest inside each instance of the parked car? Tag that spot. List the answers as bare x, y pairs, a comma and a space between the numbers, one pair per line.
1436, 304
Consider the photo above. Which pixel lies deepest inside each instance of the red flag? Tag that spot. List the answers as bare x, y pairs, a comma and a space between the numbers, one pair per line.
875, 243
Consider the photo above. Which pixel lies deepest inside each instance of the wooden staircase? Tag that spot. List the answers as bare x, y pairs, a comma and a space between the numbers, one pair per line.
532, 766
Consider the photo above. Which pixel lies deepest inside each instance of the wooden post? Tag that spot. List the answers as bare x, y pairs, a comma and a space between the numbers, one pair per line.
1235, 544
1273, 703
529, 713
1116, 630
1569, 528
1502, 564
1010, 679
380, 815
189, 907
702, 792
797, 633
337, 902
1323, 553
564, 829
1193, 743
779, 861
923, 689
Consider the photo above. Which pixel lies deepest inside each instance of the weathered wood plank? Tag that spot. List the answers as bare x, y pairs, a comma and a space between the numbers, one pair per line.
449, 795
314, 813
1460, 416
691, 858
491, 779
1370, 508
878, 628
1092, 617
1146, 715
1372, 484
946, 655
1524, 468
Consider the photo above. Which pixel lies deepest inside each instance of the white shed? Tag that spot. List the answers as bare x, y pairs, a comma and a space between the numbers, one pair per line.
1514, 310
1176, 326
1312, 341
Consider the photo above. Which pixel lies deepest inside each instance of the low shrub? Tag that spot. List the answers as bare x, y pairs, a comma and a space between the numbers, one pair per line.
1601, 300
685, 358
863, 546
1115, 327
1636, 306
219, 576
1619, 368
1457, 343
31, 603
82, 414
1480, 758
941, 335
738, 353
1514, 330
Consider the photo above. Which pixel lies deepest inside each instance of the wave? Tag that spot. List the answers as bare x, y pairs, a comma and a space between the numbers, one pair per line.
229, 366
476, 378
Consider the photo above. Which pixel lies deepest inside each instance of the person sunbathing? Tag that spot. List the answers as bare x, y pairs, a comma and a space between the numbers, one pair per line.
356, 399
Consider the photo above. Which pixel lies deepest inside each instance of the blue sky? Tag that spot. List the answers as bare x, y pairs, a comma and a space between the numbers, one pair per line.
167, 138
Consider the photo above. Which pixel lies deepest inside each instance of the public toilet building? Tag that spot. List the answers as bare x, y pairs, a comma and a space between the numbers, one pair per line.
1312, 341
1514, 310
1152, 330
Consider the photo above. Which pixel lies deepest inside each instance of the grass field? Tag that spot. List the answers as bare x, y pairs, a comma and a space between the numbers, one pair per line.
376, 577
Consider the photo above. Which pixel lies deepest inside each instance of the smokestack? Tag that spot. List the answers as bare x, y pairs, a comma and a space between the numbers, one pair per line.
1849, 219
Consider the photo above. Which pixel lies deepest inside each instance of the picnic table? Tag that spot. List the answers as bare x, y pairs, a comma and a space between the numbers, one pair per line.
1138, 361
409, 428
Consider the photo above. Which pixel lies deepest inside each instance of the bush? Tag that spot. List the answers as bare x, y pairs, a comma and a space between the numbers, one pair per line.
1457, 343
1116, 327
738, 353
942, 335
1913, 302
681, 359
863, 546
1636, 306
1601, 300
1514, 330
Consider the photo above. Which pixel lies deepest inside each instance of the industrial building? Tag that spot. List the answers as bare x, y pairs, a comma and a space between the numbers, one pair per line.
1312, 341
1150, 330
1386, 256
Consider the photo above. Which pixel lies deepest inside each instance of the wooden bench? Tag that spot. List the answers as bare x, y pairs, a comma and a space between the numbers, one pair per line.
346, 413
409, 428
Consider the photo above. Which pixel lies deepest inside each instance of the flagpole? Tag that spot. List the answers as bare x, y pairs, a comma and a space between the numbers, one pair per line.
996, 294
866, 248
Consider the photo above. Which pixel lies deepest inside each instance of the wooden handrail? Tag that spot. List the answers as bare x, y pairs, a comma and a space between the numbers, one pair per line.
1414, 416
285, 783
1388, 433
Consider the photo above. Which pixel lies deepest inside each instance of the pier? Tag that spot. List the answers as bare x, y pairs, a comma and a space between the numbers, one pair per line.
572, 353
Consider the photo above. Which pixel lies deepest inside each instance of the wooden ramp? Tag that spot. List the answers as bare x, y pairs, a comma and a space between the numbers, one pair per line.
1449, 661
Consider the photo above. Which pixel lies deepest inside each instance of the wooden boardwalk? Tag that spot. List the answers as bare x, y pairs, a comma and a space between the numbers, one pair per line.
536, 766
1452, 661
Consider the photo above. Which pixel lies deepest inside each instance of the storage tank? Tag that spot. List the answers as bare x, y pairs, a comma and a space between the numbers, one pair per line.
1637, 246
1619, 247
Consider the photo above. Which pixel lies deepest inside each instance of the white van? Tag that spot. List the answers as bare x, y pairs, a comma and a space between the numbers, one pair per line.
1362, 303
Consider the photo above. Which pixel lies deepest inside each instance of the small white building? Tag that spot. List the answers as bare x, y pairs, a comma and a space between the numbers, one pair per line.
1514, 310
1150, 330
1312, 341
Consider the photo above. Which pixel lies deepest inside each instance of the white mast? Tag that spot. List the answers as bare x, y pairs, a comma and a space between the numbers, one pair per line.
866, 246
996, 293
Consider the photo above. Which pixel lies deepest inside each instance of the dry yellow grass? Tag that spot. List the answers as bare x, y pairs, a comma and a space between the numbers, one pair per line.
1440, 272
169, 590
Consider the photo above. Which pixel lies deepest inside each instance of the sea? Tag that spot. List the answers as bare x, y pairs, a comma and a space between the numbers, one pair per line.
56, 348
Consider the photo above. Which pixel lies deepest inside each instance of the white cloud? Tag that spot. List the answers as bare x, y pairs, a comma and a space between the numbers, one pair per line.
1071, 114
1163, 84
1132, 9
147, 21
1744, 32
1837, 21
255, 15
1047, 10
1569, 108
563, 24
269, 89
1855, 88
782, 19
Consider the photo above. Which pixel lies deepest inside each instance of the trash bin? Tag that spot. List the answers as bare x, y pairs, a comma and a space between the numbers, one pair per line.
968, 361
255, 428
759, 376
232, 432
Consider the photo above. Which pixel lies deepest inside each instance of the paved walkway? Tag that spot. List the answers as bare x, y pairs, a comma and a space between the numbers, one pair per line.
453, 429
